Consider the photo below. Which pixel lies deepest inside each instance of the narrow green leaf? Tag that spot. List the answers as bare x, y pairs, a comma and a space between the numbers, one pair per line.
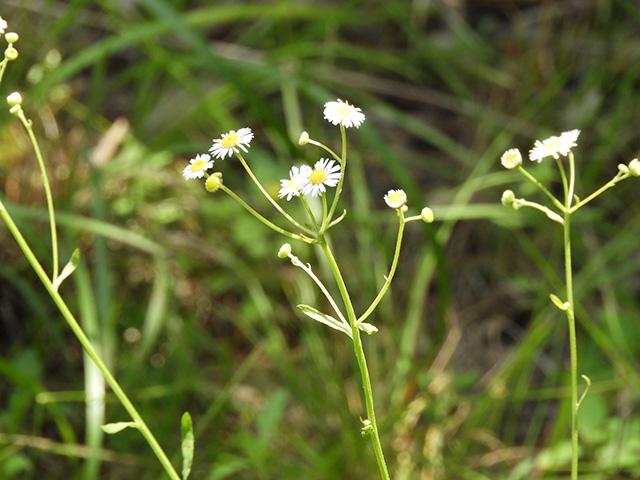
318, 316
68, 269
558, 303
368, 328
188, 445
116, 427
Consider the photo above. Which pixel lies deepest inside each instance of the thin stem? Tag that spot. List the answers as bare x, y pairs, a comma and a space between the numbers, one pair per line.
392, 271
3, 66
307, 268
606, 186
47, 189
360, 356
343, 162
264, 220
318, 144
309, 212
535, 181
88, 347
572, 342
273, 202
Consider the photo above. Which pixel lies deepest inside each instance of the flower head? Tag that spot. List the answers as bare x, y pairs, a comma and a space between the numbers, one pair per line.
229, 143
298, 177
304, 138
3, 25
634, 167
284, 251
554, 146
325, 173
343, 113
214, 182
197, 166
396, 198
427, 215
511, 159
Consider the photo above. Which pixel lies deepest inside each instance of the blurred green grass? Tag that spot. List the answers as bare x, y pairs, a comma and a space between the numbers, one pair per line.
194, 311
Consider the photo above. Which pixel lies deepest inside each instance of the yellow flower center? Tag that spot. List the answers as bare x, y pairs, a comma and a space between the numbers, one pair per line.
396, 197
344, 109
317, 176
553, 145
230, 140
198, 165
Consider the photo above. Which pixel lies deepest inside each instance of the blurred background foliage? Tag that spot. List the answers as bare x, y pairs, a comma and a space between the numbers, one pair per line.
183, 292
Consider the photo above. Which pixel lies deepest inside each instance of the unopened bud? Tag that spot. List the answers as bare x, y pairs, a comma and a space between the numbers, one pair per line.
11, 53
634, 167
11, 37
622, 168
284, 251
508, 198
214, 182
427, 215
304, 138
14, 99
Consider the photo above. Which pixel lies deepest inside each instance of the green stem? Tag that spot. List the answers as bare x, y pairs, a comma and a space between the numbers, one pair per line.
271, 200
343, 163
572, 343
86, 344
606, 186
535, 181
360, 356
331, 152
264, 220
47, 189
392, 271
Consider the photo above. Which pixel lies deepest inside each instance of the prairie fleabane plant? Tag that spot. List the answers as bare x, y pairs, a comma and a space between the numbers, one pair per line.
324, 180
53, 281
560, 210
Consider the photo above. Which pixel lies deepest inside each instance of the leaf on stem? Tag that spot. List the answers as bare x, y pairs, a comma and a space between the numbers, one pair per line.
564, 306
68, 269
116, 427
368, 328
318, 316
188, 445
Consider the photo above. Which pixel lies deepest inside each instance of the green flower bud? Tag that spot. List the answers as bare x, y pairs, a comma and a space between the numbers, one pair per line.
622, 168
14, 99
634, 167
304, 138
284, 251
508, 197
427, 215
11, 54
214, 182
11, 37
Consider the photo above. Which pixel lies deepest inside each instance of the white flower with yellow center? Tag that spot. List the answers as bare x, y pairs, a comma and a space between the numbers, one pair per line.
3, 25
343, 113
229, 143
554, 146
325, 173
511, 159
298, 177
396, 198
197, 166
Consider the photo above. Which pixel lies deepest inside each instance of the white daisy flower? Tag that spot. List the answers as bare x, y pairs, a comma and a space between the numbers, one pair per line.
229, 143
325, 172
511, 159
343, 113
197, 166
554, 146
395, 198
298, 177
3, 25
